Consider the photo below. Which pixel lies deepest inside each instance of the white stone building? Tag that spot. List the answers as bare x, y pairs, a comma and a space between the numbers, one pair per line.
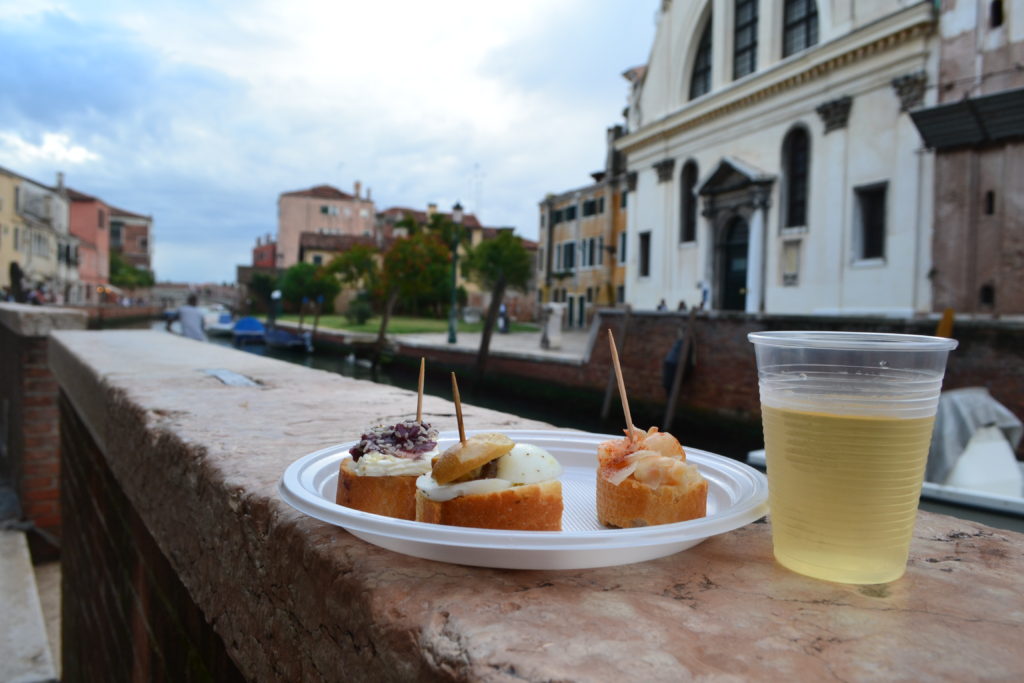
773, 165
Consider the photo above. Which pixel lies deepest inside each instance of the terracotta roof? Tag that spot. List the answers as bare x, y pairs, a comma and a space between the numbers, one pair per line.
320, 192
316, 240
76, 196
399, 212
114, 211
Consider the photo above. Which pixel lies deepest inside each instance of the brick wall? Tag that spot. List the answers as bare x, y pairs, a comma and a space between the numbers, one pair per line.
126, 615
30, 460
723, 382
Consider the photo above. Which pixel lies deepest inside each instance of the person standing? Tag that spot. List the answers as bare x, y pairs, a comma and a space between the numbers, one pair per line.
190, 317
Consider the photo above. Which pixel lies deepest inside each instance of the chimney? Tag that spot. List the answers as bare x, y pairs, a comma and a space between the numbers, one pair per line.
369, 195
359, 187
431, 209
60, 181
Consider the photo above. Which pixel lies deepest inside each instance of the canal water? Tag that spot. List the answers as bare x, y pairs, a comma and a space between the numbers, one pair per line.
567, 414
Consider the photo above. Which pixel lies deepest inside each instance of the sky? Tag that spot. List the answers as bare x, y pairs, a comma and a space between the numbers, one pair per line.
200, 113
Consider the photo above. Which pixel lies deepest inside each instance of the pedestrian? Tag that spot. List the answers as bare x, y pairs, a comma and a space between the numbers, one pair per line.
662, 306
191, 319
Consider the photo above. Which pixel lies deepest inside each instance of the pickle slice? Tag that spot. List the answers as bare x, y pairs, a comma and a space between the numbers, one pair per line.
461, 458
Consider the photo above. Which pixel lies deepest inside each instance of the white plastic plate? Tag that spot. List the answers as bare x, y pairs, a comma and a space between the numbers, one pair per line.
737, 495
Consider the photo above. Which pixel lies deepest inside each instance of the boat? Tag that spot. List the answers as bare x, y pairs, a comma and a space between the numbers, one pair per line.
223, 326
286, 339
248, 330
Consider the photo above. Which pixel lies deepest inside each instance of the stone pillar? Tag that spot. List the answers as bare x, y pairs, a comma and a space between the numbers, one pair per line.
756, 256
552, 336
30, 447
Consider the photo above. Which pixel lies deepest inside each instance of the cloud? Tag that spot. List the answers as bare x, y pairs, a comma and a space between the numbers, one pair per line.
201, 114
55, 148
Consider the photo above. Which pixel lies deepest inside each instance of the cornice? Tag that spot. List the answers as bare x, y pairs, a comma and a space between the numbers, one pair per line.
876, 38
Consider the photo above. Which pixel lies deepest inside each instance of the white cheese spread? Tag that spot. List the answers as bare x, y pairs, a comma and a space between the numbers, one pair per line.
376, 464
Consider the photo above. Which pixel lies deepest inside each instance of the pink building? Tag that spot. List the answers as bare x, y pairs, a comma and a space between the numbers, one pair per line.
322, 209
90, 223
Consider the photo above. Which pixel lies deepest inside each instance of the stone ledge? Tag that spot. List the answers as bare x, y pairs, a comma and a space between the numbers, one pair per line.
296, 599
24, 650
38, 321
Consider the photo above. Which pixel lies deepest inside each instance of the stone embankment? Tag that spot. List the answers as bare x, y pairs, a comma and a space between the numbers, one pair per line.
178, 518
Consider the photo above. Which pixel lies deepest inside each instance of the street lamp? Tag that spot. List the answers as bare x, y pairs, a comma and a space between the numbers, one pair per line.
452, 315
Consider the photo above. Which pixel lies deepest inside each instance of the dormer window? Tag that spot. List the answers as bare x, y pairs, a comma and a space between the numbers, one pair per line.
744, 51
700, 79
799, 26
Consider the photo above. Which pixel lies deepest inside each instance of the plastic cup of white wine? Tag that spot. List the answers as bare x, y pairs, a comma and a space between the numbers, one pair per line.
848, 419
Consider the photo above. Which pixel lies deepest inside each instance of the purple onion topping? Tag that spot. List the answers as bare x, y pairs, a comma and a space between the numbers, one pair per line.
409, 439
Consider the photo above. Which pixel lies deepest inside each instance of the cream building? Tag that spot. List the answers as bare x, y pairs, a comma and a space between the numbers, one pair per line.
775, 166
36, 235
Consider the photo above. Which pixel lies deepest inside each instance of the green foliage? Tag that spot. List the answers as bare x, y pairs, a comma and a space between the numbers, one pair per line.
359, 310
262, 285
307, 280
418, 268
504, 256
356, 267
127, 276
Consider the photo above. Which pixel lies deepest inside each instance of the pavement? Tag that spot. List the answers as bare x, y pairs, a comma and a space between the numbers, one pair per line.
574, 344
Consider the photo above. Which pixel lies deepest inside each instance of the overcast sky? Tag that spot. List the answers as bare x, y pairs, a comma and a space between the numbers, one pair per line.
201, 113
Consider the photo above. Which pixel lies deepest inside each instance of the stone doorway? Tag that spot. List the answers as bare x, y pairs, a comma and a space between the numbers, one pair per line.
733, 259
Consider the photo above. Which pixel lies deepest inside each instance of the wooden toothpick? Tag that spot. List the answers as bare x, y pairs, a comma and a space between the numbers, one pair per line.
419, 392
622, 385
458, 410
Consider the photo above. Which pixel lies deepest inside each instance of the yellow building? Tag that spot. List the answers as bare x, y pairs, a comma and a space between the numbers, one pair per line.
582, 243
12, 227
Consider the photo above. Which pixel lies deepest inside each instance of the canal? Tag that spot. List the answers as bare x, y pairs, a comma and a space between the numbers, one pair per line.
567, 411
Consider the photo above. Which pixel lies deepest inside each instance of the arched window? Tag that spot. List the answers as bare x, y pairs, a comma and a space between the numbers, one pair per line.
744, 43
796, 163
700, 79
688, 206
799, 26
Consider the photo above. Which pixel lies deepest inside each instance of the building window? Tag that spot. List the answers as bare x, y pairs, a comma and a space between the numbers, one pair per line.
799, 26
600, 204
622, 199
569, 212
990, 203
622, 248
870, 221
645, 254
569, 255
101, 218
318, 260
620, 294
688, 208
589, 207
791, 263
143, 243
700, 78
796, 156
744, 49
556, 217
590, 295
995, 14
600, 251
592, 252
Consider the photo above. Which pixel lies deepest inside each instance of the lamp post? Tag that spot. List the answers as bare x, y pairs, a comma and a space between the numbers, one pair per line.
452, 315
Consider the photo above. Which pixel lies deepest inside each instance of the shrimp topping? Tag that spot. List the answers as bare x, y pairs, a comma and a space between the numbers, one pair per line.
653, 458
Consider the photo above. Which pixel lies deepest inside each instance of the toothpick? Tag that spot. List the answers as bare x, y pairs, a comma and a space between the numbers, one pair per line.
622, 385
458, 410
419, 392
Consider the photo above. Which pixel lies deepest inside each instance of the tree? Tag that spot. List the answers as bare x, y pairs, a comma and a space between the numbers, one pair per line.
127, 276
497, 264
413, 265
356, 267
262, 285
307, 281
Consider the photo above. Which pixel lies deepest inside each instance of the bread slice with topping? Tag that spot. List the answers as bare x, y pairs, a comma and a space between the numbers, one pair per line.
489, 482
645, 480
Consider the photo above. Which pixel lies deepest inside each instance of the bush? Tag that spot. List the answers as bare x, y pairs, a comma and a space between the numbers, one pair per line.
359, 310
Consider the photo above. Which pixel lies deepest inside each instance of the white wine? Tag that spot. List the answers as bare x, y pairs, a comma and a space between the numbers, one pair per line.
844, 491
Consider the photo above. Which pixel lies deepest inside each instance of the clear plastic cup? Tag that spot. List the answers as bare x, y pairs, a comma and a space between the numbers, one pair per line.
848, 419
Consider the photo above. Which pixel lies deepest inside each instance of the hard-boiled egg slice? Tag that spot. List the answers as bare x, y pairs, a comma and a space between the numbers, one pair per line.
528, 464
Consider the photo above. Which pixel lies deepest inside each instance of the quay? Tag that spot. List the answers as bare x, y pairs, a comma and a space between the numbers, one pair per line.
181, 562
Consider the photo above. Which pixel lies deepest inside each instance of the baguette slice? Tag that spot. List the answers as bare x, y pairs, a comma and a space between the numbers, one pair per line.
534, 507
388, 496
633, 504
461, 459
